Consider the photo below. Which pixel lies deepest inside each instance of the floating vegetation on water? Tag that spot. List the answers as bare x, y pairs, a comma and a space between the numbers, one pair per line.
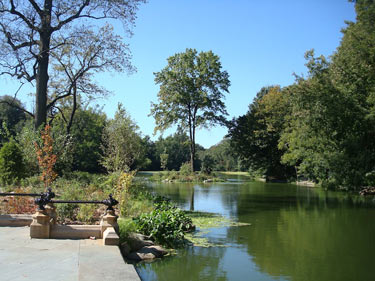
204, 221
196, 239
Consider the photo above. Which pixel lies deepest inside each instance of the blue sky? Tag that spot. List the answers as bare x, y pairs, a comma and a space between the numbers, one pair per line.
259, 43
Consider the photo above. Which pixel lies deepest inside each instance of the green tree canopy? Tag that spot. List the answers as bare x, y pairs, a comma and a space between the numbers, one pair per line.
191, 94
11, 163
332, 126
255, 135
122, 143
11, 114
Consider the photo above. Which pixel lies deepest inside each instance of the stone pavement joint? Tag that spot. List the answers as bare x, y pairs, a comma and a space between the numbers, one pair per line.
22, 258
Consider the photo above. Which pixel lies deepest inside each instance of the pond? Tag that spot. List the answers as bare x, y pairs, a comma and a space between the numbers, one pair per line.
295, 233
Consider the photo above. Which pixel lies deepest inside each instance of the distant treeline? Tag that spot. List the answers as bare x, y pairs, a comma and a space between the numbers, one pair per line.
97, 144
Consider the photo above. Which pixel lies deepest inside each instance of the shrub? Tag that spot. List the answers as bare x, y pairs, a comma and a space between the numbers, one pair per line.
46, 157
122, 191
11, 163
18, 205
66, 211
86, 213
208, 164
126, 226
185, 169
166, 225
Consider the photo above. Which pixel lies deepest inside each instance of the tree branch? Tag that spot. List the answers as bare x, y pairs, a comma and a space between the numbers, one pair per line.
71, 18
10, 42
36, 7
13, 11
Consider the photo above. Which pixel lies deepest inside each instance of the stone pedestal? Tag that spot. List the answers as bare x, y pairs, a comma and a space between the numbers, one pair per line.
110, 237
109, 221
40, 226
51, 212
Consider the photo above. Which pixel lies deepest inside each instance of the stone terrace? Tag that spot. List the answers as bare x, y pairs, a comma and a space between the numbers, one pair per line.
23, 258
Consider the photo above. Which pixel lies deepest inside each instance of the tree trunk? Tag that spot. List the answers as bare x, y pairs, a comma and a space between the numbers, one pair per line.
192, 138
192, 147
42, 71
192, 199
191, 159
69, 126
41, 93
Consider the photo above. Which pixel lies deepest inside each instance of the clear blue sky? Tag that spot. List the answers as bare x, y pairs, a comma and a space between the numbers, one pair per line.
259, 43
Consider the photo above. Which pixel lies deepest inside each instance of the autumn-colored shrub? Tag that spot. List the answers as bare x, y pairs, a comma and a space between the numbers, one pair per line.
46, 157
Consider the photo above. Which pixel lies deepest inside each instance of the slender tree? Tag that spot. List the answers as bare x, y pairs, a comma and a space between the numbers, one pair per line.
122, 145
191, 94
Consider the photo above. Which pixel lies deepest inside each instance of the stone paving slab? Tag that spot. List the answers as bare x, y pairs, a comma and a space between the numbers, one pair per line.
22, 258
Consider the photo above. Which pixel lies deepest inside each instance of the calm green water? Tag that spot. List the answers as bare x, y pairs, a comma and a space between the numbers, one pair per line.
296, 233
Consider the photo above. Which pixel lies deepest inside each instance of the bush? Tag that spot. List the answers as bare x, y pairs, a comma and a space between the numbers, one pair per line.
86, 213
126, 226
11, 163
208, 164
185, 169
166, 225
66, 211
18, 205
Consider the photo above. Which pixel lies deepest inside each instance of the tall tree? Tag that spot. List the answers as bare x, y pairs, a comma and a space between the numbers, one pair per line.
332, 131
32, 29
192, 88
255, 135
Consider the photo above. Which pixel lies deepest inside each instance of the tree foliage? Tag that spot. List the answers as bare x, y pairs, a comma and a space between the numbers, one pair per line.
174, 150
121, 142
12, 167
255, 135
86, 134
192, 88
12, 117
221, 157
324, 123
333, 137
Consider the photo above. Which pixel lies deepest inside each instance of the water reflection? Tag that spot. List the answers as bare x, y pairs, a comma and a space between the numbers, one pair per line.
296, 233
193, 264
